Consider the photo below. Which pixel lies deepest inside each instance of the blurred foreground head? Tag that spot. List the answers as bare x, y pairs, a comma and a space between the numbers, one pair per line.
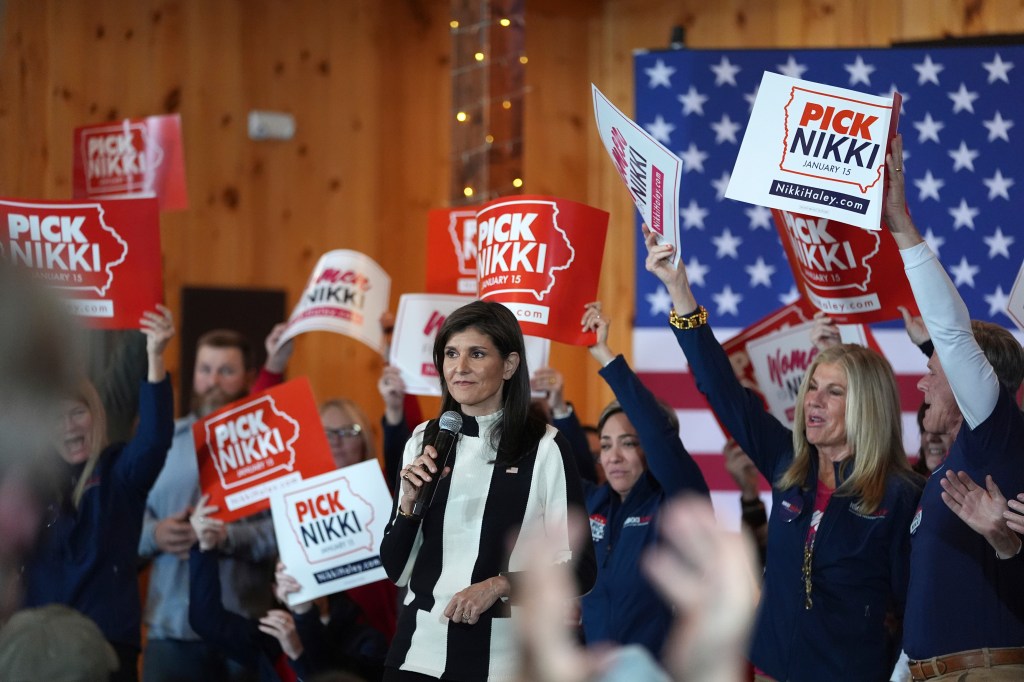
38, 363
54, 642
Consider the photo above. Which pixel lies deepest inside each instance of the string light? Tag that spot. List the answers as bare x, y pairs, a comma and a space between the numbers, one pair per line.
462, 117
468, 191
505, 22
479, 56
517, 183
523, 59
506, 104
453, 23
489, 139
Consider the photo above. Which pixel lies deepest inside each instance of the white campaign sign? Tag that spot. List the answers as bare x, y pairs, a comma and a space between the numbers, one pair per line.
417, 322
816, 149
1015, 305
329, 529
651, 172
347, 294
412, 345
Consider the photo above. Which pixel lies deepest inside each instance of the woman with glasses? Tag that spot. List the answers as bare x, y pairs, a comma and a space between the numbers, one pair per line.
87, 556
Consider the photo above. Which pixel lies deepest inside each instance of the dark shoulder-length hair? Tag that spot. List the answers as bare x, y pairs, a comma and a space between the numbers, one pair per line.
517, 433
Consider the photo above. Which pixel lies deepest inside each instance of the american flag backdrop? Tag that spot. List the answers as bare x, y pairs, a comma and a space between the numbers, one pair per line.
962, 121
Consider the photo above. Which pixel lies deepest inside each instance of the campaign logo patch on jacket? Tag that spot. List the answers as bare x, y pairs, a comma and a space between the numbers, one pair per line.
597, 526
636, 521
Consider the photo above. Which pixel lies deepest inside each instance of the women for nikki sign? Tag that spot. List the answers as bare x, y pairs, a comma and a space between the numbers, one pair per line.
816, 149
254, 446
103, 257
347, 294
329, 529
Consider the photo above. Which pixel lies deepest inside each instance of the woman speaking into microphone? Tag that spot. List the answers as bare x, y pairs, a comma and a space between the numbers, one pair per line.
507, 475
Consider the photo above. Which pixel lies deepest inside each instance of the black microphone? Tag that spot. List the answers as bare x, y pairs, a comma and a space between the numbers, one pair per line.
450, 424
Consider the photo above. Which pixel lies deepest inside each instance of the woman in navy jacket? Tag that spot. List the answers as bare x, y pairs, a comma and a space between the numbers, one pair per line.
645, 464
87, 555
843, 499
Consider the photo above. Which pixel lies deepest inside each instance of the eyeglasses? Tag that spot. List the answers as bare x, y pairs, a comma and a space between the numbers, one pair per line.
806, 570
335, 435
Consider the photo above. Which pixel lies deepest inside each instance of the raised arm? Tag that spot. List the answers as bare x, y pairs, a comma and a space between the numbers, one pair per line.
143, 457
945, 314
667, 458
765, 440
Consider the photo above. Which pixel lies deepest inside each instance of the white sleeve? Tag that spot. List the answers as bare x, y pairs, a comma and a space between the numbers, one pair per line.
970, 375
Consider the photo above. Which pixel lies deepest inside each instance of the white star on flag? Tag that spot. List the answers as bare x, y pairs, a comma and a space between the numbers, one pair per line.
659, 301
692, 101
963, 99
935, 241
929, 128
792, 69
998, 186
928, 187
963, 215
726, 244
660, 130
963, 157
751, 97
760, 217
859, 72
695, 271
997, 301
998, 128
999, 244
791, 296
928, 71
725, 72
660, 75
892, 92
693, 159
693, 215
998, 70
964, 272
721, 184
725, 129
727, 301
760, 273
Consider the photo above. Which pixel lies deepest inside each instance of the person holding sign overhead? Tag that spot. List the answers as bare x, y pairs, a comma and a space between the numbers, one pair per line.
646, 464
844, 497
86, 556
510, 477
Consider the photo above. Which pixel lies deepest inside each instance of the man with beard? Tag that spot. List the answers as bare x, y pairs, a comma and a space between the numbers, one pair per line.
174, 652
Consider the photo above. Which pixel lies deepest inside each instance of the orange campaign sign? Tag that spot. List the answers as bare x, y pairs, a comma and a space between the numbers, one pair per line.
854, 275
541, 257
253, 447
103, 257
451, 251
133, 157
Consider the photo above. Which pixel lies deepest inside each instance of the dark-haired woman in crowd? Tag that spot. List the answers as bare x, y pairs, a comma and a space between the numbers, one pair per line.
646, 465
511, 477
843, 498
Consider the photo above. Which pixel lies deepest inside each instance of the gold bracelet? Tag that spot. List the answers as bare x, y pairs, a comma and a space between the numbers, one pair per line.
699, 318
406, 514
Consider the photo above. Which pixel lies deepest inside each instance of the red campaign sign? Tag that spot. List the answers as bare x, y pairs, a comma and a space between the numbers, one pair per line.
541, 257
854, 275
103, 257
131, 158
253, 447
451, 251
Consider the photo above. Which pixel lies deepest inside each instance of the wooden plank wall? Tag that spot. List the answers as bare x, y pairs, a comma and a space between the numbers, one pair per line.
368, 83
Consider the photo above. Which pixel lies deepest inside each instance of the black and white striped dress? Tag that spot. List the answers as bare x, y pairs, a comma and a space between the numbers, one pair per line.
464, 539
